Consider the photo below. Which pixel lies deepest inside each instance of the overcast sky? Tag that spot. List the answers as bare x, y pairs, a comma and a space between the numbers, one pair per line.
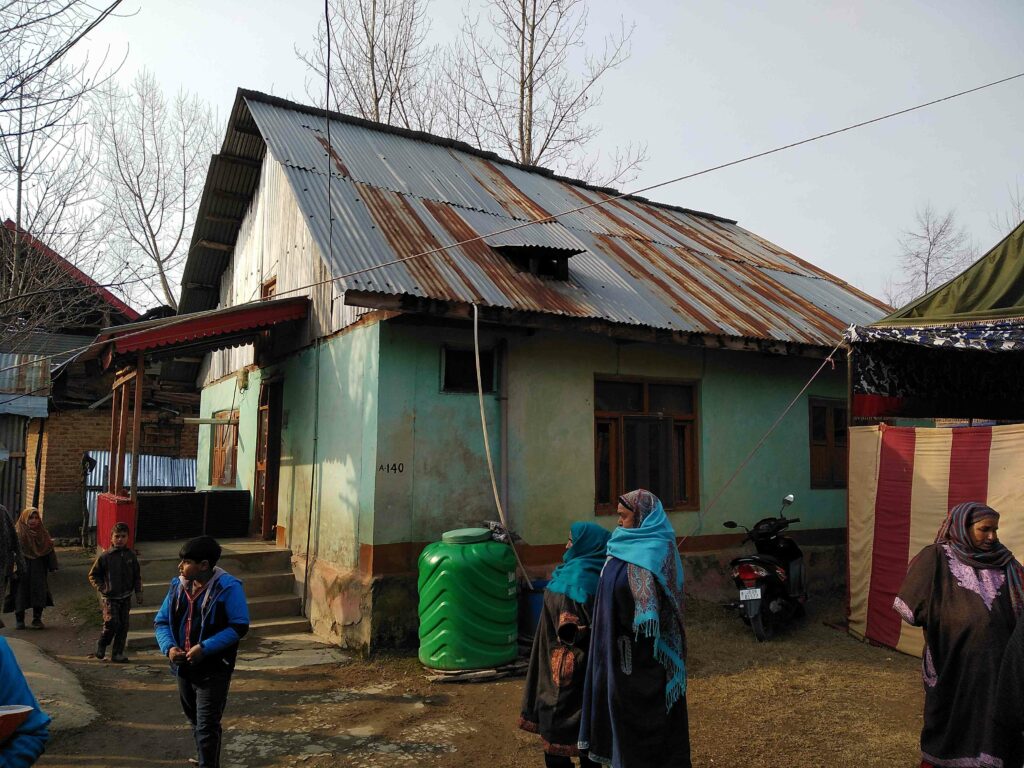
710, 82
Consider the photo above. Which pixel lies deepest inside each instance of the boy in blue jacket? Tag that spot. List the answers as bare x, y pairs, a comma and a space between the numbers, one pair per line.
198, 627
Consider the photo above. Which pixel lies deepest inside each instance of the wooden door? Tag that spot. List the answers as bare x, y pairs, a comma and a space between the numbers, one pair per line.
268, 449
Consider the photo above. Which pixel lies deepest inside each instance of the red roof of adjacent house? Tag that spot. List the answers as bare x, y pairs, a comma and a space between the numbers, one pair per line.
75, 273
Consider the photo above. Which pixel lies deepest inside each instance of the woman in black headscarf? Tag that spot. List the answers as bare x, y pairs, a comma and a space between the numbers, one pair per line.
966, 591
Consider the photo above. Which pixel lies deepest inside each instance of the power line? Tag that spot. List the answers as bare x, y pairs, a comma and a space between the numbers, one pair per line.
675, 180
605, 201
80, 287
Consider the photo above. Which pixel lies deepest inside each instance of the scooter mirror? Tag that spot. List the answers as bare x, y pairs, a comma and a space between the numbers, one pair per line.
729, 524
789, 499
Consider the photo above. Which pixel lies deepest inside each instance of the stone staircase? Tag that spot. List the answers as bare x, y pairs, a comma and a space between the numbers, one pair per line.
265, 572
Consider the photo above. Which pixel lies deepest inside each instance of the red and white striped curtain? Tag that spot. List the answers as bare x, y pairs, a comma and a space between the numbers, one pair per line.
902, 483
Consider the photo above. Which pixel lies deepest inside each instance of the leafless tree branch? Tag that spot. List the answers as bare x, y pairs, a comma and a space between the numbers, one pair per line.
153, 158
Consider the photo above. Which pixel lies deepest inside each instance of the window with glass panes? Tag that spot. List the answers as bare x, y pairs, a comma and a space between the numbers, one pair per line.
645, 437
224, 449
828, 443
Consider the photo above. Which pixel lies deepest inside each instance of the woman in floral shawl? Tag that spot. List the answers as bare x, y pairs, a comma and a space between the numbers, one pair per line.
32, 590
966, 591
634, 699
558, 662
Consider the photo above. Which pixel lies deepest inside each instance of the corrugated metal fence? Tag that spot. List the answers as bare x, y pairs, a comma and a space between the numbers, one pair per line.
12, 471
156, 473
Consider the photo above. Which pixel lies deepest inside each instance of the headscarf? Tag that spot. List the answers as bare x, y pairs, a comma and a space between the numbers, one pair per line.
35, 542
954, 533
656, 581
577, 576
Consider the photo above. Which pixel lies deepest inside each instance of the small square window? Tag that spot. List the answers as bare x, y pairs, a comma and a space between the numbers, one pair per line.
458, 370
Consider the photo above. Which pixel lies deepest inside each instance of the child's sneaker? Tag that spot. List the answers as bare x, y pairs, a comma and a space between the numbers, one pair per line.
100, 652
37, 624
119, 658
20, 625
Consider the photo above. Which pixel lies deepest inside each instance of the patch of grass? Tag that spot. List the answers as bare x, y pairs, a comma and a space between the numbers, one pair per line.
86, 609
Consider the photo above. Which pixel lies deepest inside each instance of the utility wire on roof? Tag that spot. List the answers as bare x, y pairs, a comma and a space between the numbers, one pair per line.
554, 217
675, 180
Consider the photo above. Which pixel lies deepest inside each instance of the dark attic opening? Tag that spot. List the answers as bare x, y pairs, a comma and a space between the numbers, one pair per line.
551, 263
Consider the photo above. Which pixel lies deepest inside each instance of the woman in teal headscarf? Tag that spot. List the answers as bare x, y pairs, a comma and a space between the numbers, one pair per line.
634, 699
558, 662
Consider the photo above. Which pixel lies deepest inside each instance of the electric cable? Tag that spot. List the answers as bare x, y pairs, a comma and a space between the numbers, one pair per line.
487, 445
714, 500
622, 195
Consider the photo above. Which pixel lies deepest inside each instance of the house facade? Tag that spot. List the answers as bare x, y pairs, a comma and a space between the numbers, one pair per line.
622, 344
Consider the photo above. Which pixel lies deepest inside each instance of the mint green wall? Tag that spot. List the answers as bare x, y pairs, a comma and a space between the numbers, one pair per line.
347, 444
740, 394
381, 405
436, 436
223, 396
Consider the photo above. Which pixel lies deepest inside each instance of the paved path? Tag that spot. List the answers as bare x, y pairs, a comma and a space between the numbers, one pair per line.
55, 686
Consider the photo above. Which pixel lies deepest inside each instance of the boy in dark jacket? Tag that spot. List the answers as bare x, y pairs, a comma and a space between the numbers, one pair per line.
115, 575
198, 627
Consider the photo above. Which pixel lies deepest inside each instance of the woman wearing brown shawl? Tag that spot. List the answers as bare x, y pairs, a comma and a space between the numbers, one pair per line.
11, 561
32, 587
966, 591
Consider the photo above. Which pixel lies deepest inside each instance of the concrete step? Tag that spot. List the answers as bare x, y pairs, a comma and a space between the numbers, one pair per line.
139, 638
236, 563
266, 607
255, 584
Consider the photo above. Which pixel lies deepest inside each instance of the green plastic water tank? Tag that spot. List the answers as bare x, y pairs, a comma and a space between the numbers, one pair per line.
468, 602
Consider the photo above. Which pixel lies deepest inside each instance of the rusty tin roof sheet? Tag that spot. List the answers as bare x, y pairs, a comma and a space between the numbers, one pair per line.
396, 193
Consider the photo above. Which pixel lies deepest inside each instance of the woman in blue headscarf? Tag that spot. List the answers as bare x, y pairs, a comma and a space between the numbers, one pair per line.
558, 662
634, 699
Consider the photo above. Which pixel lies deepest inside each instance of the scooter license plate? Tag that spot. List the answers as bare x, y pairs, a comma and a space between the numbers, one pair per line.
750, 594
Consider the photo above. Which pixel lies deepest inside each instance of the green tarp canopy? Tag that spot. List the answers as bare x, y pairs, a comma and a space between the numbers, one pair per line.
990, 289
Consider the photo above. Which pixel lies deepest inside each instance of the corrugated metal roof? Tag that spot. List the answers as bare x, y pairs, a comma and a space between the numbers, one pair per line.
396, 193
61, 346
24, 374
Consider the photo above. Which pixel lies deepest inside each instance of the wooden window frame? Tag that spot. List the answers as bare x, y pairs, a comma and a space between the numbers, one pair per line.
829, 447
219, 452
472, 390
690, 424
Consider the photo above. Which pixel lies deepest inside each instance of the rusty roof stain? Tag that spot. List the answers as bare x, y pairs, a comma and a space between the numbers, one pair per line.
396, 193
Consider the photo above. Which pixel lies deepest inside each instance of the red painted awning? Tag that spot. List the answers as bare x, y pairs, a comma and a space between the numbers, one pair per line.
197, 333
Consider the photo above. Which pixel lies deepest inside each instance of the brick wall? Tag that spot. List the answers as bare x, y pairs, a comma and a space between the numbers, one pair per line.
69, 434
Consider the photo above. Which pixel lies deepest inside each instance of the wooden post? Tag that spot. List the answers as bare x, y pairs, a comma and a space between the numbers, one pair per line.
113, 440
122, 435
137, 425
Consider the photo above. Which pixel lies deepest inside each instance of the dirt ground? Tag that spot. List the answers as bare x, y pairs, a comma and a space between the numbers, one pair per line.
812, 696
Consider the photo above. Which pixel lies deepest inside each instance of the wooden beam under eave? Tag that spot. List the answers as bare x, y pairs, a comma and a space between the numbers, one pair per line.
239, 160
214, 245
219, 219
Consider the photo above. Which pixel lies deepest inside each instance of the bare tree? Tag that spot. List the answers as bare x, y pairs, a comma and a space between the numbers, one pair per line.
35, 38
1013, 215
931, 253
153, 161
381, 67
46, 163
523, 83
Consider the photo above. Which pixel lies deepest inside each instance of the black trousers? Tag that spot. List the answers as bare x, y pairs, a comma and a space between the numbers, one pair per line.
115, 623
203, 701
